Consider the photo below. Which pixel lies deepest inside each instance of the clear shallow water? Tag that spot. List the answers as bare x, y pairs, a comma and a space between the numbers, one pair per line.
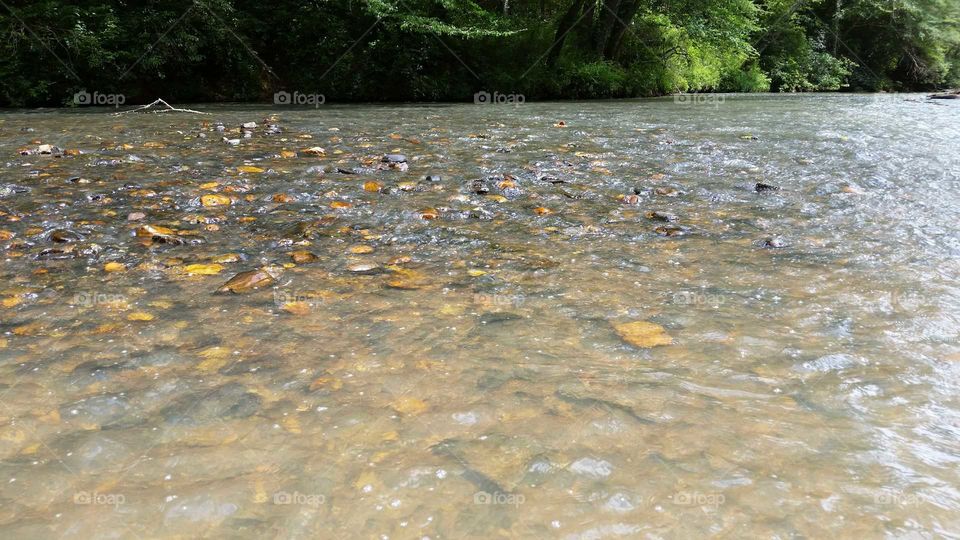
472, 384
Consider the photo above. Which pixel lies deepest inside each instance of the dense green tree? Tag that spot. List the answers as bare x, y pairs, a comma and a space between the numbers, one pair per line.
245, 50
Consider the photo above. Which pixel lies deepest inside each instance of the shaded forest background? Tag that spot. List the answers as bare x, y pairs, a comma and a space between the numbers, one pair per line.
388, 50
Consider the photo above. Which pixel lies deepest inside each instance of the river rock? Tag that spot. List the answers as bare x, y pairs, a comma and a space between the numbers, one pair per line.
251, 280
643, 334
661, 216
394, 158
364, 268
953, 94
774, 242
65, 236
303, 256
760, 187
159, 234
232, 400
479, 187
671, 230
666, 191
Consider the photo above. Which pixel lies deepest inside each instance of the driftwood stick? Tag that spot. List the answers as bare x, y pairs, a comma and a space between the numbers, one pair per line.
158, 102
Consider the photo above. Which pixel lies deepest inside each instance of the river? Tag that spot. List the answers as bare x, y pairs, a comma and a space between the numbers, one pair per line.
726, 316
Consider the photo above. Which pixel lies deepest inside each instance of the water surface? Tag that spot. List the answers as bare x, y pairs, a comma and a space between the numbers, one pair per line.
462, 376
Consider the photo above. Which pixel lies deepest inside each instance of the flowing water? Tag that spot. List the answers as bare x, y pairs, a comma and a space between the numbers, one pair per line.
454, 359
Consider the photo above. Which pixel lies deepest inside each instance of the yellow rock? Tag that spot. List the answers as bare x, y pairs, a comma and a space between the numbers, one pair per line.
340, 204
114, 267
541, 211
360, 250
409, 405
291, 424
297, 308
209, 185
475, 272
226, 258
372, 187
251, 280
28, 329
287, 154
11, 301
140, 316
204, 269
302, 256
326, 382
249, 169
497, 198
313, 151
366, 478
214, 358
215, 199
643, 334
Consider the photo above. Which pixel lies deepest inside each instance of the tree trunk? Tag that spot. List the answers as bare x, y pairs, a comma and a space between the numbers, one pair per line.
566, 24
604, 25
627, 10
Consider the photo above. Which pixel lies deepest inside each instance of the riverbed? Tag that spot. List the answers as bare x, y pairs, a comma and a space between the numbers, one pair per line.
733, 316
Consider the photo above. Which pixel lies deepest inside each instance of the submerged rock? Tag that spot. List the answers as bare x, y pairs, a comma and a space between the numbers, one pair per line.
159, 234
666, 191
251, 280
231, 400
774, 242
364, 268
65, 236
643, 334
661, 216
671, 230
394, 158
760, 187
479, 187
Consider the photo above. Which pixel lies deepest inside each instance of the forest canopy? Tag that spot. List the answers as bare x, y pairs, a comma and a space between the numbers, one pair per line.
391, 50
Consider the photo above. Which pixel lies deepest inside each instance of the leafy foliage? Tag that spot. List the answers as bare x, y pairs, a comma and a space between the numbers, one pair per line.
366, 50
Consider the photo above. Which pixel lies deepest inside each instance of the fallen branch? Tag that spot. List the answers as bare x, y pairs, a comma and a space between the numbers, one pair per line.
159, 102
